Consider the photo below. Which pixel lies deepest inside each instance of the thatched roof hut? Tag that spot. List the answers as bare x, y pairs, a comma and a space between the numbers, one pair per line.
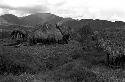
47, 31
18, 34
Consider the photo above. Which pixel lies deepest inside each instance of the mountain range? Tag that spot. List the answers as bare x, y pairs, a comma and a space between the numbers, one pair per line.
41, 18
31, 20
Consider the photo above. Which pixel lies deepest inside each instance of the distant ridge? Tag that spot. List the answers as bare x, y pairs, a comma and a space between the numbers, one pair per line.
32, 20
41, 18
10, 18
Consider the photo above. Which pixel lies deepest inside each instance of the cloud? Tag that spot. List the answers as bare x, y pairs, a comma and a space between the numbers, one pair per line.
22, 6
22, 3
79, 9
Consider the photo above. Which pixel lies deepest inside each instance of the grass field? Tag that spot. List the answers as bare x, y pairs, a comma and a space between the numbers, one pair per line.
55, 63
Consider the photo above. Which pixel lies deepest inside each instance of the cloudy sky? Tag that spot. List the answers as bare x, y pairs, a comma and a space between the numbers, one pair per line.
79, 9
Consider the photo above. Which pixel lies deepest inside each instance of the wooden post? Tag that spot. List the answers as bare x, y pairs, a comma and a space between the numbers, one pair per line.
107, 58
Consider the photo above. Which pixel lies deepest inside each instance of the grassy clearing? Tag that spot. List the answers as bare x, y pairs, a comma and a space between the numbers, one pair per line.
55, 63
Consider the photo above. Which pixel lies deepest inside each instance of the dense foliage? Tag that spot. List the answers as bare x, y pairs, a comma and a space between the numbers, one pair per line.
84, 34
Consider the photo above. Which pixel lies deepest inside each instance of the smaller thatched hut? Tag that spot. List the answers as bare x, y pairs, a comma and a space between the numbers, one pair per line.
18, 35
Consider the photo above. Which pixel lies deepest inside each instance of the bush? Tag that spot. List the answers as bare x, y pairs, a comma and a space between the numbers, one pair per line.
85, 33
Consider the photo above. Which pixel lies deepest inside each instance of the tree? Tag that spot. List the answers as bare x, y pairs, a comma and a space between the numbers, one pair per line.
85, 33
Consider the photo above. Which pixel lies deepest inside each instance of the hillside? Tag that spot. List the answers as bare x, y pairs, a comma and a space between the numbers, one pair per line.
41, 18
31, 20
94, 24
9, 18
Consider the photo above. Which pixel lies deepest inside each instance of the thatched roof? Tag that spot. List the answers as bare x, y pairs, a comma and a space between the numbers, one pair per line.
20, 30
47, 30
19, 35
